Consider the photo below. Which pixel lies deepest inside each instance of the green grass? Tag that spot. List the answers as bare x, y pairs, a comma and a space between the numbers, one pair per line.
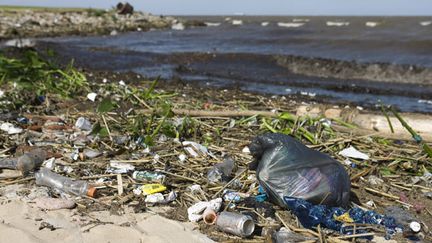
30, 72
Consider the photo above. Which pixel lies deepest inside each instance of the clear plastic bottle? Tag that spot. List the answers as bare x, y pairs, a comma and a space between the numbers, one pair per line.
45, 177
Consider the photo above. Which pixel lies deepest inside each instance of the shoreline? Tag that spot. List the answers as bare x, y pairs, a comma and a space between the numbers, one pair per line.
138, 124
54, 22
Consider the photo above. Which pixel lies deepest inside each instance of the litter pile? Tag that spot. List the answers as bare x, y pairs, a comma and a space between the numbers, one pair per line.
17, 22
142, 147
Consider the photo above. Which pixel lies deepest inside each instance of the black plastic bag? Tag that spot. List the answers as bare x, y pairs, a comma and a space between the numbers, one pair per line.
286, 167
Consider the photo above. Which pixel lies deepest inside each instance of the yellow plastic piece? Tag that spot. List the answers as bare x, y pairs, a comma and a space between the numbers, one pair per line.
344, 218
149, 189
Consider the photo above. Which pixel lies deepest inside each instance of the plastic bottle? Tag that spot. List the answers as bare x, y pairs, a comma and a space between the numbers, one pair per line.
234, 223
45, 177
26, 162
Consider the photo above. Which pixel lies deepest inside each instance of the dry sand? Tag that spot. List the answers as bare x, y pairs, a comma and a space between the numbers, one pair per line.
20, 221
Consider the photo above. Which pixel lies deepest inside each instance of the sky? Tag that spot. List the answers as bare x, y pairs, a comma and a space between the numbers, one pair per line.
253, 7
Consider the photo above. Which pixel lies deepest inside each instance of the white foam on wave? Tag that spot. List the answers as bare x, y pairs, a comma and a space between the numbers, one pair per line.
371, 24
337, 23
290, 24
300, 20
178, 26
265, 23
237, 22
212, 24
425, 23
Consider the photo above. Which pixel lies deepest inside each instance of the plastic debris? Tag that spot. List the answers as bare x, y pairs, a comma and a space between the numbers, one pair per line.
286, 235
209, 216
26, 163
91, 153
195, 212
92, 96
182, 157
374, 180
149, 189
159, 198
48, 203
232, 196
262, 196
195, 149
10, 128
154, 198
286, 167
148, 176
83, 123
45, 177
246, 150
403, 218
120, 168
221, 171
235, 223
352, 152
195, 189
334, 218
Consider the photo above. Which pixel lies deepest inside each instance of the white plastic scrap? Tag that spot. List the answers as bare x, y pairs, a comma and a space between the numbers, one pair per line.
195, 188
182, 157
195, 149
351, 152
195, 211
91, 153
326, 122
10, 128
246, 150
92, 96
120, 168
415, 226
370, 204
74, 155
154, 198
375, 181
49, 163
347, 162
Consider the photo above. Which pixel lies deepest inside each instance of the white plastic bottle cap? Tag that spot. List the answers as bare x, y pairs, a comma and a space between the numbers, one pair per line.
415, 226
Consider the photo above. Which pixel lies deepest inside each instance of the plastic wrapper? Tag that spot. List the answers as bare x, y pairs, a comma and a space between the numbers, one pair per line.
286, 167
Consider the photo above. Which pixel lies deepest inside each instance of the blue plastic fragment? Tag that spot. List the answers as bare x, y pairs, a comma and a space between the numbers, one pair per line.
23, 120
311, 215
41, 98
262, 196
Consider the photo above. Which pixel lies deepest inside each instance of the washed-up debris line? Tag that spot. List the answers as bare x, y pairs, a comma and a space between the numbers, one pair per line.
132, 146
16, 22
